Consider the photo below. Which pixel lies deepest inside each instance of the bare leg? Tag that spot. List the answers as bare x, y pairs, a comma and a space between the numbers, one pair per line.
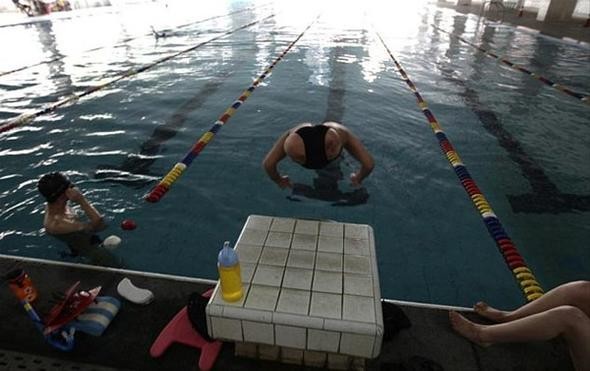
576, 294
483, 309
568, 321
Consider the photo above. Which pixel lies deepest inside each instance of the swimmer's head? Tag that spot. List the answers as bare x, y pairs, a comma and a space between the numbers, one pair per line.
53, 185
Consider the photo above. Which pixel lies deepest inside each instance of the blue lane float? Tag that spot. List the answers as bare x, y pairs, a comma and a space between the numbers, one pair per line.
523, 275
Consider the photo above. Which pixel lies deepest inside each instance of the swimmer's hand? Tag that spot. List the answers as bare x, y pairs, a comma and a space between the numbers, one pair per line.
74, 195
355, 180
284, 182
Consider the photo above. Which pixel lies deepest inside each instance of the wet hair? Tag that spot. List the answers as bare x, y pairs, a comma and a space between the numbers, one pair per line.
53, 185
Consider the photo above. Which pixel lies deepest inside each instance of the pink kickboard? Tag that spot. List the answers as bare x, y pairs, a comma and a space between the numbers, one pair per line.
180, 330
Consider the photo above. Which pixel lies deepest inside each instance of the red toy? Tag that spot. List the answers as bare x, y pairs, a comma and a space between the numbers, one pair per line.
128, 225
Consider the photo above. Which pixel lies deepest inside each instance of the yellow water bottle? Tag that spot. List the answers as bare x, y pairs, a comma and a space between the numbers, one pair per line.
230, 277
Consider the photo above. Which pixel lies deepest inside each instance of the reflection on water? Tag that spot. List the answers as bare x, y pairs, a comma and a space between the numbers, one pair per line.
135, 169
325, 187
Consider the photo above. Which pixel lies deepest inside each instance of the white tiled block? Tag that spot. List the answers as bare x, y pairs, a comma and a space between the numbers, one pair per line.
358, 308
359, 328
325, 281
356, 247
248, 253
274, 256
269, 275
213, 309
289, 336
297, 278
332, 229
246, 350
294, 301
269, 352
357, 345
292, 356
247, 272
372, 243
325, 341
304, 242
357, 264
358, 364
326, 305
357, 284
217, 300
307, 227
356, 231
328, 262
209, 325
258, 222
228, 329
298, 320
301, 259
283, 225
252, 237
258, 332
255, 315
279, 239
262, 297
378, 341
330, 244
338, 361
314, 359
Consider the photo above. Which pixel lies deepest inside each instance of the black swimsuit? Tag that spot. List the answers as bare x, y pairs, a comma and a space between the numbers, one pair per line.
314, 139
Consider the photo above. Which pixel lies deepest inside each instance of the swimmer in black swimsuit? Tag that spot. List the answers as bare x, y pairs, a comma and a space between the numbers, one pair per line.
59, 221
317, 147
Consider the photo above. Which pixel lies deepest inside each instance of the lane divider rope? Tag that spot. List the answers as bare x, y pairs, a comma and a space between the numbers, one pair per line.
580, 96
123, 42
527, 282
178, 169
26, 118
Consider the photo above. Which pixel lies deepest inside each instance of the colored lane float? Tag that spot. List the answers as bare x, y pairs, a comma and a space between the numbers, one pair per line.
125, 41
582, 97
527, 282
26, 118
164, 185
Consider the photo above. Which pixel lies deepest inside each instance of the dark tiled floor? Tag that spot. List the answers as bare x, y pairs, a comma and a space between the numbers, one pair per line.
429, 344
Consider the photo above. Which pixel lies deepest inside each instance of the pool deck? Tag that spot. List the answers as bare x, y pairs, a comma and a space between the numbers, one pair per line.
429, 344
572, 30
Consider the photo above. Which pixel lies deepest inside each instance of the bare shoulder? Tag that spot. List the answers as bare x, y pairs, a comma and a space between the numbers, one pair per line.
60, 224
51, 225
342, 130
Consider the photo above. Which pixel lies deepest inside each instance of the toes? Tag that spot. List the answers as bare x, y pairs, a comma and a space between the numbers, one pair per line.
480, 306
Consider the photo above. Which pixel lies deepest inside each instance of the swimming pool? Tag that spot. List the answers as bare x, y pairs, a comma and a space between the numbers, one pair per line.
525, 143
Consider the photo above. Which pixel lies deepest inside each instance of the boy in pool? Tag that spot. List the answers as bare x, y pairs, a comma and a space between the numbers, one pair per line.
60, 222
317, 147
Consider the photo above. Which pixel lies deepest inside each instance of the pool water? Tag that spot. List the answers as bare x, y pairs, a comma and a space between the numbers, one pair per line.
526, 145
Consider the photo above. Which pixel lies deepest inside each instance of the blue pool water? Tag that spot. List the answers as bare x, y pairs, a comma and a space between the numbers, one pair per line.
526, 145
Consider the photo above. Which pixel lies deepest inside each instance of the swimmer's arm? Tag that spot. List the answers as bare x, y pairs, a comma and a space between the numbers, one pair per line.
356, 148
96, 223
273, 157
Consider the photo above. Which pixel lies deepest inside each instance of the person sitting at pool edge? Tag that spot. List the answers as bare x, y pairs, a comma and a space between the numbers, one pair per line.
563, 311
60, 222
315, 147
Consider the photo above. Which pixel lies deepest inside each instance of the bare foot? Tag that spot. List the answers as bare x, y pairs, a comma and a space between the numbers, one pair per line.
466, 328
484, 310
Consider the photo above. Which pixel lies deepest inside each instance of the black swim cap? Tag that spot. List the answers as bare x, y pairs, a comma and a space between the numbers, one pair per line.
53, 185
